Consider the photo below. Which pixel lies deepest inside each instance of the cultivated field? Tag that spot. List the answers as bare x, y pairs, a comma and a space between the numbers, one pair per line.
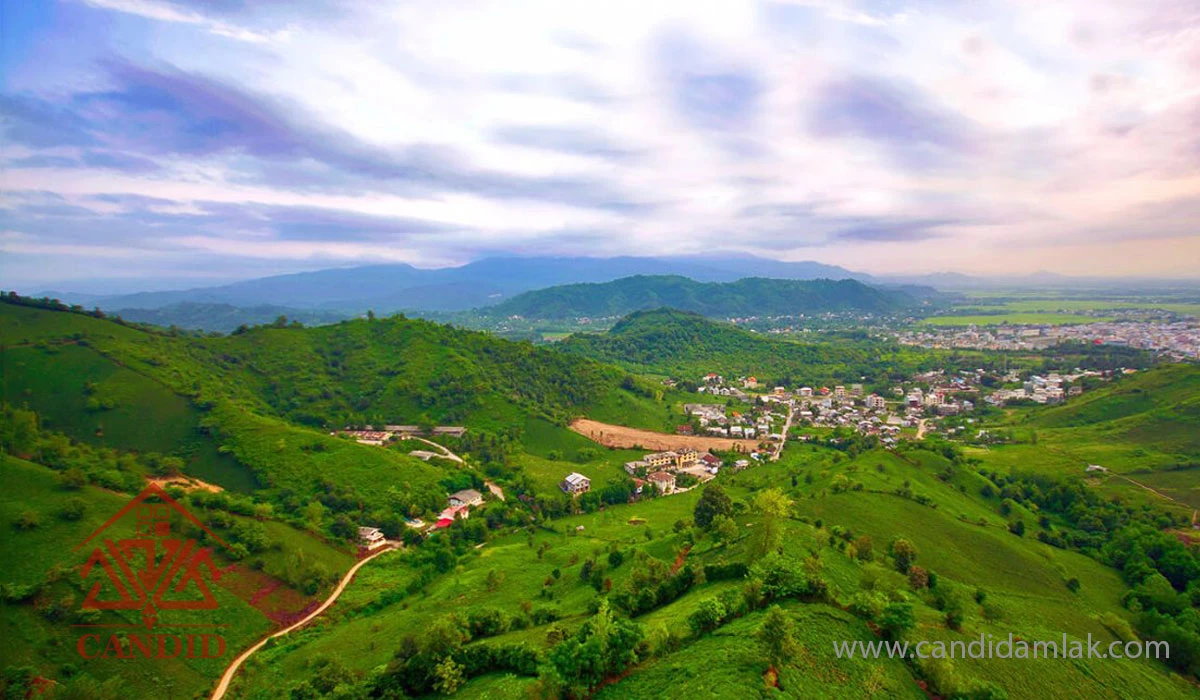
621, 436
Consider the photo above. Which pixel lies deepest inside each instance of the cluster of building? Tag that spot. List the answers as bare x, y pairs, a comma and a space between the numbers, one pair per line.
1049, 389
660, 468
715, 420
1179, 339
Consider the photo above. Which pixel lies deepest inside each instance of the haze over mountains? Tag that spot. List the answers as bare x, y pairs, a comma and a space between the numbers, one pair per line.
401, 287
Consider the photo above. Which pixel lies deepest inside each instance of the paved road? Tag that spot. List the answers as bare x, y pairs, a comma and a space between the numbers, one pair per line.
230, 672
787, 425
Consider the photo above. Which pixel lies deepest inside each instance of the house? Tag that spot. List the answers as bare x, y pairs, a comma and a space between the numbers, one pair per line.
466, 497
576, 483
710, 462
663, 481
1095, 468
453, 513
638, 484
876, 402
661, 459
636, 467
686, 456
451, 430
371, 537
684, 430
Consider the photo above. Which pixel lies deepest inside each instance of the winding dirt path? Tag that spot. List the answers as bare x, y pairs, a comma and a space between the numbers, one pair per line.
231, 671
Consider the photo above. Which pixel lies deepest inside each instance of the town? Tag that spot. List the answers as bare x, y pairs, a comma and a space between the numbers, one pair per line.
1176, 340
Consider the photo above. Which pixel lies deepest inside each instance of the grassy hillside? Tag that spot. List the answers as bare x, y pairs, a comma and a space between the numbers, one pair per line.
254, 408
959, 534
748, 297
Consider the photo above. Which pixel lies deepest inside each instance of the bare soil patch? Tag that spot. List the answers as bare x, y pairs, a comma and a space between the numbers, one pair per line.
621, 436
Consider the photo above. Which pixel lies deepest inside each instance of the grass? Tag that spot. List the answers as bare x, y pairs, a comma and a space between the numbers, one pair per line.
34, 638
1024, 577
59, 382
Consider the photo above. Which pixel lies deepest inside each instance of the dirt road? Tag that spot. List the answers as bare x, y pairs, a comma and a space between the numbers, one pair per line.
621, 436
232, 670
441, 448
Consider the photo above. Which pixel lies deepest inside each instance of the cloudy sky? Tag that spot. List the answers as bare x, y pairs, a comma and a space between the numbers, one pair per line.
169, 144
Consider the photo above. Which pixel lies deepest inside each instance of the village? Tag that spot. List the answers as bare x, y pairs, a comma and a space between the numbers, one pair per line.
762, 420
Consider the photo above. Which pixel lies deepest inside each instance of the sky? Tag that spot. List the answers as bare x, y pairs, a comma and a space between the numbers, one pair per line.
155, 144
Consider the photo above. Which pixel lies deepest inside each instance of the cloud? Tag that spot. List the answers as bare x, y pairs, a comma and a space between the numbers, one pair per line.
875, 134
914, 129
573, 140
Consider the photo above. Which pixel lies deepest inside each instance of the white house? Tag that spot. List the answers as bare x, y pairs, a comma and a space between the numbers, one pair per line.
576, 483
371, 537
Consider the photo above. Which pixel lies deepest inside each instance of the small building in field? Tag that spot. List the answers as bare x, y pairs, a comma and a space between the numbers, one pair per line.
575, 484
371, 537
466, 497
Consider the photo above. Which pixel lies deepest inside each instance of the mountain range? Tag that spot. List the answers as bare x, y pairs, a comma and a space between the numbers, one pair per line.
400, 287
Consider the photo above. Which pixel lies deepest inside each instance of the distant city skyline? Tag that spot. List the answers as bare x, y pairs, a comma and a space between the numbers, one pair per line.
156, 144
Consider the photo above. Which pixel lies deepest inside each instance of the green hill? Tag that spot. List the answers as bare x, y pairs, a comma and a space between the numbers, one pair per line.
684, 344
753, 296
255, 408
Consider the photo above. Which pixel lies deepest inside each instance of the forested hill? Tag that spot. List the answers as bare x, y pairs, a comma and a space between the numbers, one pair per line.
249, 393
753, 296
684, 344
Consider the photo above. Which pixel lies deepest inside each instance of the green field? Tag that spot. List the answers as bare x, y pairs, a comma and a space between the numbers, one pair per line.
1051, 304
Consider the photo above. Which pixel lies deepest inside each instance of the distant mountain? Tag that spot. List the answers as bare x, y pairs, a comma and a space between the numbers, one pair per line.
225, 317
399, 287
747, 297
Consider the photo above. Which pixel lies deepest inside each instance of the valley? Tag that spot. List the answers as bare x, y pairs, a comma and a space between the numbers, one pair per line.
888, 492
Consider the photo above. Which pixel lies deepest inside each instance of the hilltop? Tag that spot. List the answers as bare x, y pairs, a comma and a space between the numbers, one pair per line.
753, 296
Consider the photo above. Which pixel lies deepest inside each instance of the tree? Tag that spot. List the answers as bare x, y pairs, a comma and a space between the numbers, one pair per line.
73, 479
27, 520
723, 528
777, 637
896, 619
74, 509
448, 677
918, 578
713, 502
707, 616
904, 553
603, 647
864, 548
774, 505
